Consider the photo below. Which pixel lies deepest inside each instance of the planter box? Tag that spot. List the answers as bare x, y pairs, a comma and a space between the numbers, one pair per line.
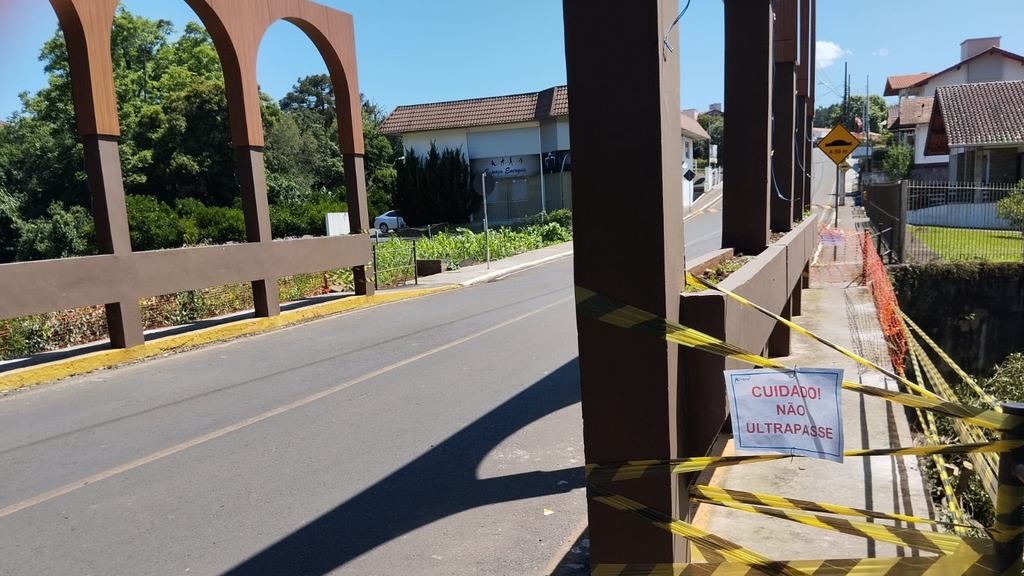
430, 267
773, 280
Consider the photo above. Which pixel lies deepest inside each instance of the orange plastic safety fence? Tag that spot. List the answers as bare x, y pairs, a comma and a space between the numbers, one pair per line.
877, 279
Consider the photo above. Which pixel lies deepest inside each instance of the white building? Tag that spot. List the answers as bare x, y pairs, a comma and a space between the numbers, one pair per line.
981, 60
691, 132
522, 140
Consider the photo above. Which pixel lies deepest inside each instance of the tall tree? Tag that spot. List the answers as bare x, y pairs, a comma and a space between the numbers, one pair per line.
435, 187
829, 116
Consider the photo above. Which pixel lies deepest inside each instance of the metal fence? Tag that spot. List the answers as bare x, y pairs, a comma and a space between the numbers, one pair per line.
885, 207
948, 221
394, 263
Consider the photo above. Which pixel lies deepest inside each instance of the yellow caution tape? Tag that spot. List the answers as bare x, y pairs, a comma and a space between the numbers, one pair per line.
925, 541
695, 280
607, 310
932, 434
713, 494
963, 375
917, 566
985, 464
726, 550
630, 470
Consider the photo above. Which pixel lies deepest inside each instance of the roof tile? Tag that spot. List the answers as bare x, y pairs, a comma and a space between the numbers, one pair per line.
914, 111
983, 114
478, 112
893, 84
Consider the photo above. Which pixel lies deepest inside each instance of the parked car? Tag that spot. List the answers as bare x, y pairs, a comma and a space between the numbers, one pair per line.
390, 220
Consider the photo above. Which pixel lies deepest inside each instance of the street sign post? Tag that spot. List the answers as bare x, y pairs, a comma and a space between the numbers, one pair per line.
484, 186
837, 145
845, 166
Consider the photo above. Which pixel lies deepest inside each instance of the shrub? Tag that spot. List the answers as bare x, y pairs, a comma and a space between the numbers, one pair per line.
152, 224
897, 162
1011, 208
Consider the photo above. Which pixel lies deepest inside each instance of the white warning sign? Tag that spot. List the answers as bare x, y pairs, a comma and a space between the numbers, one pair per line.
798, 412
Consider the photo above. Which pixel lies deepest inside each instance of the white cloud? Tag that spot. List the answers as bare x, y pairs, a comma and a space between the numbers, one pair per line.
881, 53
827, 53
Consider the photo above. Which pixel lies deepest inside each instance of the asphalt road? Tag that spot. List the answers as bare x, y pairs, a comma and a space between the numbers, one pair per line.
702, 228
440, 435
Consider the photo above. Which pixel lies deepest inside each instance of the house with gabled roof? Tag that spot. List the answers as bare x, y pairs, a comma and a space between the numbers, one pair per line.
981, 60
981, 127
522, 140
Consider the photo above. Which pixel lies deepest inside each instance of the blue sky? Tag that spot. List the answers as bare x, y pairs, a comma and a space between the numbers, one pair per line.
413, 51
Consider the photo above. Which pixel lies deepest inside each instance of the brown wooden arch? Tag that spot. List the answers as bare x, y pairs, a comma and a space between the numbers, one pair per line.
119, 277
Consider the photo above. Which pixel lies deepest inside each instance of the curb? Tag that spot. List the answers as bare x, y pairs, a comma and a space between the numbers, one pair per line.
497, 274
57, 370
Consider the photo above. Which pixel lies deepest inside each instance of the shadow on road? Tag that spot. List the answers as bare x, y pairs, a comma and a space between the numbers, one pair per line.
438, 484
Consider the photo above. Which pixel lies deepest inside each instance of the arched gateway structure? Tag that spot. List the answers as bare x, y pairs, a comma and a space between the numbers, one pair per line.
118, 277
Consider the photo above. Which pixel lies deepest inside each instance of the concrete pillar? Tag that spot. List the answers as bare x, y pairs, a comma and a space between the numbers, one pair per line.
358, 215
748, 100
252, 181
103, 167
625, 112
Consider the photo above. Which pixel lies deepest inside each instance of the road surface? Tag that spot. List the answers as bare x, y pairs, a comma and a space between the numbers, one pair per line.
440, 435
702, 227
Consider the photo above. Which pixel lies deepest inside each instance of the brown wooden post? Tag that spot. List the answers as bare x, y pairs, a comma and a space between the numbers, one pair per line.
778, 340
800, 166
807, 19
252, 181
747, 137
103, 168
358, 216
784, 112
796, 299
96, 118
626, 150
804, 68
1008, 531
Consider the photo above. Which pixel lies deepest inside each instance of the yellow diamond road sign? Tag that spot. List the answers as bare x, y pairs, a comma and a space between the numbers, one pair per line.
838, 144
844, 166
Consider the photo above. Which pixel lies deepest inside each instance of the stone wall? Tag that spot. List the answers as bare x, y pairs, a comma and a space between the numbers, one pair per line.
973, 311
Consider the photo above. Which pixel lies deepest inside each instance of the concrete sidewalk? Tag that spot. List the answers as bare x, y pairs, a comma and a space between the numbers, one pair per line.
478, 273
839, 309
57, 364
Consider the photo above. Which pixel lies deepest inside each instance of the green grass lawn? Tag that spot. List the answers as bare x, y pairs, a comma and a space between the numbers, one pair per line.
961, 244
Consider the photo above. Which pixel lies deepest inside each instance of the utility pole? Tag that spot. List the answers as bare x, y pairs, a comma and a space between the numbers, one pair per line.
840, 175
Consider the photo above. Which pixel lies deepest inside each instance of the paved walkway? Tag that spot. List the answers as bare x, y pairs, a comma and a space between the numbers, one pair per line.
837, 308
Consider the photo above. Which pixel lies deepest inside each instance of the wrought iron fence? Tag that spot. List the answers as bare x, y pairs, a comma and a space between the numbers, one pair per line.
964, 221
948, 221
394, 262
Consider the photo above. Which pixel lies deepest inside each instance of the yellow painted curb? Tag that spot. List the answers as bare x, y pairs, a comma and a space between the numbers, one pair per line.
32, 375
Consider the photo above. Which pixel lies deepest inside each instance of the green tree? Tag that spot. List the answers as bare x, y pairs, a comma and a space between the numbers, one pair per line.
175, 150
153, 224
435, 188
1011, 208
715, 127
829, 116
63, 233
897, 162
